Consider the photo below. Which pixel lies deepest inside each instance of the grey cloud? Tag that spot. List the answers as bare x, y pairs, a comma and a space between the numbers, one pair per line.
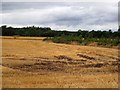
61, 15
12, 6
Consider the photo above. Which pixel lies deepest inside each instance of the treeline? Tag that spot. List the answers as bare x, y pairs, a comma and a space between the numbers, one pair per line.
47, 32
82, 37
33, 31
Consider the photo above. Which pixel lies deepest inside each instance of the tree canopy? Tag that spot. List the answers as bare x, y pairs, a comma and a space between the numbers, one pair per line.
48, 32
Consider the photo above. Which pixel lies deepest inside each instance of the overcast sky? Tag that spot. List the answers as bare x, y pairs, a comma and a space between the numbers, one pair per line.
61, 15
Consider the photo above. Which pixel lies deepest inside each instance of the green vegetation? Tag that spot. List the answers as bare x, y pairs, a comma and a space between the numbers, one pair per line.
82, 37
106, 42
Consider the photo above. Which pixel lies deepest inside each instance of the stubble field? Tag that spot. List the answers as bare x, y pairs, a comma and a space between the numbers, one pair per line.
29, 62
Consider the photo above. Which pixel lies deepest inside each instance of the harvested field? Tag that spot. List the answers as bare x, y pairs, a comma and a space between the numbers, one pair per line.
29, 62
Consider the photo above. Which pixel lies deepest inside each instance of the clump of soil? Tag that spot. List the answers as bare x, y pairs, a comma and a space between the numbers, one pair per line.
85, 56
63, 57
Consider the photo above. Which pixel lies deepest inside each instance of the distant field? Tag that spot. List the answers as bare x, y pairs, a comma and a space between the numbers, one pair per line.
29, 62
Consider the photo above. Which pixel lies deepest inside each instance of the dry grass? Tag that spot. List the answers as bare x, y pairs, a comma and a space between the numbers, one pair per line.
30, 62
